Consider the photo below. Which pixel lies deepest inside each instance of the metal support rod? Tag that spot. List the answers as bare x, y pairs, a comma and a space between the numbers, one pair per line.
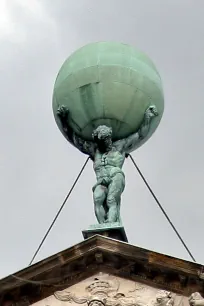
162, 209
59, 211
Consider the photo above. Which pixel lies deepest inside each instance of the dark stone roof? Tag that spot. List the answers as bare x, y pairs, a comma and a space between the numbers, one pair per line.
103, 254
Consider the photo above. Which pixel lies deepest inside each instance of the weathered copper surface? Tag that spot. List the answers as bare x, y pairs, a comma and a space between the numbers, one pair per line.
108, 83
113, 230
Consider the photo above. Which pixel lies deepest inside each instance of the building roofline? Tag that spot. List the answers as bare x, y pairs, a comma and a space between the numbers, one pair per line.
98, 252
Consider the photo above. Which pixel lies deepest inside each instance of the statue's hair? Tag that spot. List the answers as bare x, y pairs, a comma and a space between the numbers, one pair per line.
102, 130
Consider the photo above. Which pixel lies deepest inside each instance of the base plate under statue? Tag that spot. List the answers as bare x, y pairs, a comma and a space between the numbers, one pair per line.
112, 230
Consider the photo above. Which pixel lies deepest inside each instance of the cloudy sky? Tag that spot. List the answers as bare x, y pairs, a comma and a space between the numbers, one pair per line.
38, 166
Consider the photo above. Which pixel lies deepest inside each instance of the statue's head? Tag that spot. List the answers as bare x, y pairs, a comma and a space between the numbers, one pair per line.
102, 136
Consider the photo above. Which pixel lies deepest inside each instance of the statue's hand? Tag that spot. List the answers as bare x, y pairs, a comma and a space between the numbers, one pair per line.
151, 112
63, 112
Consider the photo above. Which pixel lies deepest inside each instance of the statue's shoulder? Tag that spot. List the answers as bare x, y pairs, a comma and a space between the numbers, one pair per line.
118, 145
97, 152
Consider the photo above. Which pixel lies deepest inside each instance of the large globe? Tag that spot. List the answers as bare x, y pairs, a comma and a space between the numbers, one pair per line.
108, 83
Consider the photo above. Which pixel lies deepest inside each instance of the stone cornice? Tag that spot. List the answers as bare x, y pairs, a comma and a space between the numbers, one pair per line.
107, 255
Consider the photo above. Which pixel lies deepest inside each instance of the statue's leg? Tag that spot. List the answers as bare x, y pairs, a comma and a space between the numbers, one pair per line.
99, 196
115, 190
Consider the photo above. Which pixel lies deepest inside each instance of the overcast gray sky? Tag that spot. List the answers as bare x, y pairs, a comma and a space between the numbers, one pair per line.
37, 164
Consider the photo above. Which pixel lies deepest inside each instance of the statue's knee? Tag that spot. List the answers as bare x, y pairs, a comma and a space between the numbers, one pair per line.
98, 198
111, 200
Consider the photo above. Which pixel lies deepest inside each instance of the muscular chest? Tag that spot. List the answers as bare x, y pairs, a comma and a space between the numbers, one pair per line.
112, 158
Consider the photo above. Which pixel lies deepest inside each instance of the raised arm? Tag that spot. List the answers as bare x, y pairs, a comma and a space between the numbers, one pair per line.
84, 146
128, 144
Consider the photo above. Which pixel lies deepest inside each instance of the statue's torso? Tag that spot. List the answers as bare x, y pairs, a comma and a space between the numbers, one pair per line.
109, 163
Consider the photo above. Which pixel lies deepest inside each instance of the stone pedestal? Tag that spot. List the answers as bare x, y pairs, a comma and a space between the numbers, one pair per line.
112, 230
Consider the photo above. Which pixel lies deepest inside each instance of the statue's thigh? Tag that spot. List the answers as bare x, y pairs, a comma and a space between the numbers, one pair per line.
100, 192
117, 185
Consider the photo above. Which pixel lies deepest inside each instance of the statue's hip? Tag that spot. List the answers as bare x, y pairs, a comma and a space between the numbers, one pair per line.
106, 180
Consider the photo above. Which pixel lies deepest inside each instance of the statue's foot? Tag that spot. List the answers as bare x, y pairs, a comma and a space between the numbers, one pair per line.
107, 221
111, 221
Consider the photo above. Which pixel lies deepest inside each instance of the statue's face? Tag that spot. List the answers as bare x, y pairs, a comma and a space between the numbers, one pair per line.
103, 137
104, 141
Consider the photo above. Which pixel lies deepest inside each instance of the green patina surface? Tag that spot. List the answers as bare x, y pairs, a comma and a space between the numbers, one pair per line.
113, 230
107, 101
109, 84
108, 158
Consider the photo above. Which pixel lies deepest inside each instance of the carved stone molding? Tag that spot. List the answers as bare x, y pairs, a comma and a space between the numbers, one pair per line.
164, 298
106, 293
196, 299
100, 292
